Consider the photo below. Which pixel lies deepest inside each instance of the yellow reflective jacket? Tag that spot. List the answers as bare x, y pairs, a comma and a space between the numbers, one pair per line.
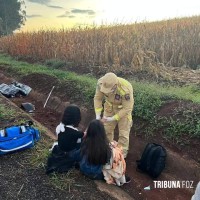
121, 99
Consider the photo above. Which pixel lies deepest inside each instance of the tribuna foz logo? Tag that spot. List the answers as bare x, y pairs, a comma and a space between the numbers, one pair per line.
173, 184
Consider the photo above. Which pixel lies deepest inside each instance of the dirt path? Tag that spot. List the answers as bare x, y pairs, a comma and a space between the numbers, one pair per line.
180, 165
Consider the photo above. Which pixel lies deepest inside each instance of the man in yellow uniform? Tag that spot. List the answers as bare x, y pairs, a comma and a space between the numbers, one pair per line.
118, 105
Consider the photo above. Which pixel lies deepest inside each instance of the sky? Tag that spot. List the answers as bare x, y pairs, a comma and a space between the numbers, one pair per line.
56, 14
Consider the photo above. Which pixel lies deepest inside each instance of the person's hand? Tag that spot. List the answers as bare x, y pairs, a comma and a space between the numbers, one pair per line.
85, 133
103, 120
114, 143
108, 119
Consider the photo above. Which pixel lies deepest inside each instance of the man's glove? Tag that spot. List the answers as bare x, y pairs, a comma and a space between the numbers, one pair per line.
108, 119
98, 116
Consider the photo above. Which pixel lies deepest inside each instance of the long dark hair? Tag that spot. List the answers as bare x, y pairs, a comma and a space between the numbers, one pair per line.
96, 145
71, 115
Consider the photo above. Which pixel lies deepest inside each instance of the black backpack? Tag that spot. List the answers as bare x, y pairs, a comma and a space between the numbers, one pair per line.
153, 160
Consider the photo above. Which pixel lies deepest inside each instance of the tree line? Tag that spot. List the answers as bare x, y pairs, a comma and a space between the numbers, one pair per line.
12, 16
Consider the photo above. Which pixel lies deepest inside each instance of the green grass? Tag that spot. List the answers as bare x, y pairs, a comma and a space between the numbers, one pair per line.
190, 93
38, 158
63, 181
55, 63
6, 112
149, 97
9, 114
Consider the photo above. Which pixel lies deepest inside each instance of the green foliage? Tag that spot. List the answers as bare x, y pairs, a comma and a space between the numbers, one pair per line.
190, 120
12, 16
184, 122
175, 128
81, 87
146, 104
6, 112
190, 92
55, 63
40, 152
62, 181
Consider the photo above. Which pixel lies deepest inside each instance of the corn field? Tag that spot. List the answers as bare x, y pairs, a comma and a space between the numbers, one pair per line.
138, 46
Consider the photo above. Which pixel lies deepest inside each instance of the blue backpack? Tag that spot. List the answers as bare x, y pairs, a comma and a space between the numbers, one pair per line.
17, 138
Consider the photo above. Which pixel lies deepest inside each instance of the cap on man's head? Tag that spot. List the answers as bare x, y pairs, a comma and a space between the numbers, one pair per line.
107, 82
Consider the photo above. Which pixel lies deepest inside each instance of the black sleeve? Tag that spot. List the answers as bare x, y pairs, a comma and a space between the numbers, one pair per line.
79, 134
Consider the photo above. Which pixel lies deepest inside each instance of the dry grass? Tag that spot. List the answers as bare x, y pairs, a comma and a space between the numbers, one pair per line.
137, 47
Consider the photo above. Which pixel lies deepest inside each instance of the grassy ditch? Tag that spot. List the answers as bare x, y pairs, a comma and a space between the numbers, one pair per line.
36, 157
5, 113
9, 115
149, 98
